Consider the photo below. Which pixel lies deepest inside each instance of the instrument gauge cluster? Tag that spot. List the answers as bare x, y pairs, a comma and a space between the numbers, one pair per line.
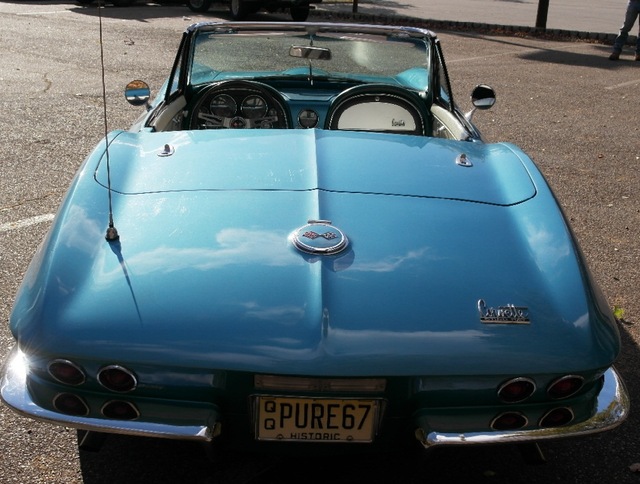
308, 118
238, 104
254, 107
223, 105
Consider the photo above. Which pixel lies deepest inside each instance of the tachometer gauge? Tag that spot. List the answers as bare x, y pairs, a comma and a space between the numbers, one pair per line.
308, 118
253, 107
223, 105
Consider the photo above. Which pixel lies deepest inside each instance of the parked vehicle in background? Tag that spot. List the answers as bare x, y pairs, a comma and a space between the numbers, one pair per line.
117, 3
240, 9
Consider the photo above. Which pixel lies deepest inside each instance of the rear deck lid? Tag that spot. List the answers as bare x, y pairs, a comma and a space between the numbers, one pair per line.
300, 160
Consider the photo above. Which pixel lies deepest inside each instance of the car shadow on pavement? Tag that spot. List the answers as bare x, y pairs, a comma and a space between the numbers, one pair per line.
600, 61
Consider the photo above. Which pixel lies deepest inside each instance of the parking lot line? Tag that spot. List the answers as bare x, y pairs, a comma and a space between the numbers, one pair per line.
26, 222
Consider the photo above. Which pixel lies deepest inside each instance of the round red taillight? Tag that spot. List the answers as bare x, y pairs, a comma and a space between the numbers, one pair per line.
70, 404
516, 390
509, 421
565, 386
117, 379
66, 372
120, 410
557, 417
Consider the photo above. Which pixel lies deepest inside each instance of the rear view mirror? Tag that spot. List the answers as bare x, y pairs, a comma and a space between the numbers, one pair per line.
308, 52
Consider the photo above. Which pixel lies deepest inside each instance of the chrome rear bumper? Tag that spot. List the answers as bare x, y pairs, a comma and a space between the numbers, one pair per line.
611, 409
14, 392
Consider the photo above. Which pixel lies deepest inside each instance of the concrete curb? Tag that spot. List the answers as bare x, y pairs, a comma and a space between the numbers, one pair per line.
325, 13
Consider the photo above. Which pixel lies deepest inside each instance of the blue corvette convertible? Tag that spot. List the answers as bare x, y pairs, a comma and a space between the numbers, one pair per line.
304, 242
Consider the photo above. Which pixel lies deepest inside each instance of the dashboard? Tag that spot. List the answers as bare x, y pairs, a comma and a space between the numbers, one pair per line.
242, 104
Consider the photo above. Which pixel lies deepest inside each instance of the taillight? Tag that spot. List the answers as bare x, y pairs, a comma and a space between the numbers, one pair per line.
66, 372
557, 417
70, 404
117, 379
565, 386
120, 410
509, 421
516, 390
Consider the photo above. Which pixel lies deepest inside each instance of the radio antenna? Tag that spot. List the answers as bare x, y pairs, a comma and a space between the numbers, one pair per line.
112, 233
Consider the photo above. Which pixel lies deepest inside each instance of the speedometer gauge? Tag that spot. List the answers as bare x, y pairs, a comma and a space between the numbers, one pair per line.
223, 105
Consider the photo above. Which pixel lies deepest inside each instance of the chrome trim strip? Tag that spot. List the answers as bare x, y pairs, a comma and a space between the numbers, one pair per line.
311, 27
14, 392
612, 410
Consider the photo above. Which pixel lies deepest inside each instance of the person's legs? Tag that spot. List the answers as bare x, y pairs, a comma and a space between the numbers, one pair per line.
633, 10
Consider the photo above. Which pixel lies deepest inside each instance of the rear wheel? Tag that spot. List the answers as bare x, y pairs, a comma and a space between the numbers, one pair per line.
239, 9
199, 5
300, 14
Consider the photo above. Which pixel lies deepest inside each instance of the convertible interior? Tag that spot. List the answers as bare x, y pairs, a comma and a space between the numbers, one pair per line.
304, 97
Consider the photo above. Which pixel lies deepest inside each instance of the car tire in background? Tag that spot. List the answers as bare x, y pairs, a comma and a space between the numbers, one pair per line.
199, 5
300, 14
239, 9
116, 3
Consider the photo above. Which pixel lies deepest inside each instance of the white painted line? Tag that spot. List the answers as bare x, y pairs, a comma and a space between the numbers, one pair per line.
44, 13
623, 84
26, 222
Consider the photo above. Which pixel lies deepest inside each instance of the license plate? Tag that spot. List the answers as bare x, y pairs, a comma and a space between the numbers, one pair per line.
316, 419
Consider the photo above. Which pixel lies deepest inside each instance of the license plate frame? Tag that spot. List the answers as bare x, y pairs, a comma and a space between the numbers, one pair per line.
316, 419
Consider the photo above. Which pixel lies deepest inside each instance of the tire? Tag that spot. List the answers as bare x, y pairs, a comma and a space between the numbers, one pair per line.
199, 6
300, 14
239, 9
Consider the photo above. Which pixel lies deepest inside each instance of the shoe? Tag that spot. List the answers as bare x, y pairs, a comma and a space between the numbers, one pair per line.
638, 56
614, 55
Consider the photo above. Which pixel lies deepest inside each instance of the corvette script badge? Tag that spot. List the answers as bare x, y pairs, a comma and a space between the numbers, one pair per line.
508, 314
319, 237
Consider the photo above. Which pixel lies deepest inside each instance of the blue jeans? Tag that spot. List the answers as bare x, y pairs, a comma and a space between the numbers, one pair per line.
633, 11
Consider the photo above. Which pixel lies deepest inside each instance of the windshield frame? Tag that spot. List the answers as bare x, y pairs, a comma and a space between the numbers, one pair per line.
419, 78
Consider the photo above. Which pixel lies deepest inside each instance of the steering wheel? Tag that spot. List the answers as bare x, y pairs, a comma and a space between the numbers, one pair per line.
238, 104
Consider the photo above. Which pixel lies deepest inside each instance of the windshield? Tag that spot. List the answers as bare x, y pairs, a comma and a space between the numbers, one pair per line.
393, 58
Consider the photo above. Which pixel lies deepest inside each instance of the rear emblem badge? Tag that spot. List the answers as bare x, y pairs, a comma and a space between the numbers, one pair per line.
508, 314
319, 237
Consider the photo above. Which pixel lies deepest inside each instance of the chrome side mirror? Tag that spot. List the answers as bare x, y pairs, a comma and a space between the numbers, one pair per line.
137, 93
482, 97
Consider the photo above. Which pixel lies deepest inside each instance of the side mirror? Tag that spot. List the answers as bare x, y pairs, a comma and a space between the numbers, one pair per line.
137, 93
482, 97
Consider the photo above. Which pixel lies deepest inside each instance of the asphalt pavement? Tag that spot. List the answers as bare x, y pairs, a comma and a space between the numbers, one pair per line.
599, 19
564, 103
